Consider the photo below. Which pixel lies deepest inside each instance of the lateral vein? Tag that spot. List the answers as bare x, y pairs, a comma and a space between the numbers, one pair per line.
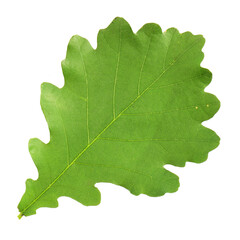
116, 74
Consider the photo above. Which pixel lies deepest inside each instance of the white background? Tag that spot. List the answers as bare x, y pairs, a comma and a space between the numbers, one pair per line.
33, 41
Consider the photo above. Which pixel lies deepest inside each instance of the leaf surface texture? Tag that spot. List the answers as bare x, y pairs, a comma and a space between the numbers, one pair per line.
127, 108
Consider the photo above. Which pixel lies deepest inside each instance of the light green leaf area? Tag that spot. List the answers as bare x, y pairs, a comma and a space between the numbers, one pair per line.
128, 107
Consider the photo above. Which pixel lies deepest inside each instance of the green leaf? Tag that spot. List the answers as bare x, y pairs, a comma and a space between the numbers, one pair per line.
127, 108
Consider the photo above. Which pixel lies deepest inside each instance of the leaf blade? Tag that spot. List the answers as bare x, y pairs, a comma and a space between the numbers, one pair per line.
115, 101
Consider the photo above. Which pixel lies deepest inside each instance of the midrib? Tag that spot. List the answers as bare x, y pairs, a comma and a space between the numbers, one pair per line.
96, 138
90, 144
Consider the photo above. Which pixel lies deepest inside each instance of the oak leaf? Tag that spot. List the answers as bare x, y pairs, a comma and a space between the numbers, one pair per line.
128, 107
